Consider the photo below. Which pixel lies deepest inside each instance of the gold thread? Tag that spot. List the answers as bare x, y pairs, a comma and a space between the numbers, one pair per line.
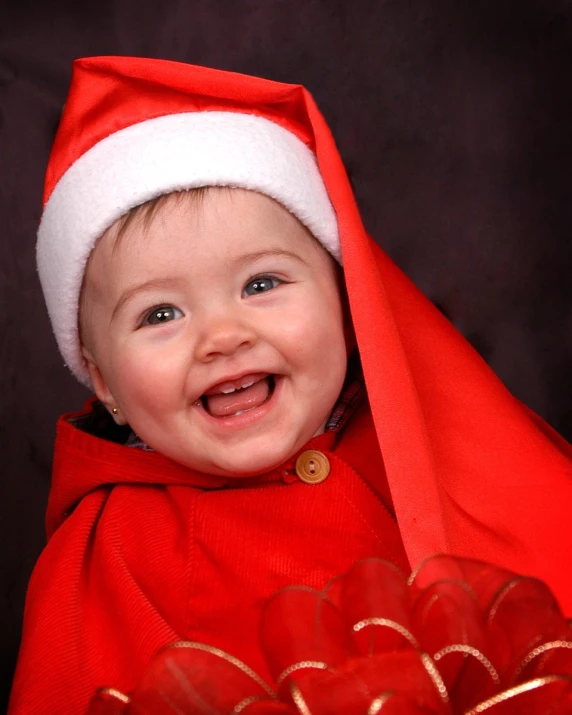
513, 692
245, 703
538, 651
456, 581
504, 589
115, 693
317, 664
388, 623
437, 557
469, 650
378, 703
230, 659
299, 701
431, 668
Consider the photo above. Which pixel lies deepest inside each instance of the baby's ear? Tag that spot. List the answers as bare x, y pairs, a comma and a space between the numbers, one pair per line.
100, 387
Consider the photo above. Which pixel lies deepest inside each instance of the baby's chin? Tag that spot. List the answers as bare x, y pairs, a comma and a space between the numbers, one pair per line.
253, 460
242, 463
240, 459
246, 467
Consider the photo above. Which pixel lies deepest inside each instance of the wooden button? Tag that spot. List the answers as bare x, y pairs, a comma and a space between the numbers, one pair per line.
312, 467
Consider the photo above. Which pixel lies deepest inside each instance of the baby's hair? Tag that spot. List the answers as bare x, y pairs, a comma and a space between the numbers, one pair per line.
145, 213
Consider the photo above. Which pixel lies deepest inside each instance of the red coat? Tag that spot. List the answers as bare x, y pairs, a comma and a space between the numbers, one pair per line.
470, 470
149, 555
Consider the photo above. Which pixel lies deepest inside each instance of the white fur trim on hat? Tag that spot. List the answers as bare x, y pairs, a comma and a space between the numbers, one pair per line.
158, 156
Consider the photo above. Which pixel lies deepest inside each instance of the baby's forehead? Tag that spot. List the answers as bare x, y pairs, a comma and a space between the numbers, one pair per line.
213, 224
139, 219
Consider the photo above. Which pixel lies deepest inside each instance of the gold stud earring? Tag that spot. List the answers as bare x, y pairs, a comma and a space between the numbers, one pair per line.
115, 410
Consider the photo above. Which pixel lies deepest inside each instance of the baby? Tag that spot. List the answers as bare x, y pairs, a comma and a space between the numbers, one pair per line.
215, 331
262, 417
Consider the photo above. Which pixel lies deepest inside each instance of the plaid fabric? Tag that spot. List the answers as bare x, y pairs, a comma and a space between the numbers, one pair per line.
134, 441
350, 397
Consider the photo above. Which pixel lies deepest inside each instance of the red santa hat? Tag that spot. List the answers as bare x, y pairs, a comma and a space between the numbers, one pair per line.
133, 130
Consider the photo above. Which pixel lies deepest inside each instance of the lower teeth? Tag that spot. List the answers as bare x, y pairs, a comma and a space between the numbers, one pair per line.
271, 384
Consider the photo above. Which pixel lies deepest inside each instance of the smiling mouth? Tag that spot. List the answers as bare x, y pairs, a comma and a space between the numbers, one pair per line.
231, 399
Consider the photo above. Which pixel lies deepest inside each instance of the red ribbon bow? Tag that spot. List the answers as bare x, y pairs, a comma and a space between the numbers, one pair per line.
460, 637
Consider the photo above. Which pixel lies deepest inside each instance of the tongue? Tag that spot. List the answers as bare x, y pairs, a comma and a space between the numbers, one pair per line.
223, 405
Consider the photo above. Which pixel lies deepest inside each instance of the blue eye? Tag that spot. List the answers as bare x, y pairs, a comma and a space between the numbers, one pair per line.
162, 314
261, 284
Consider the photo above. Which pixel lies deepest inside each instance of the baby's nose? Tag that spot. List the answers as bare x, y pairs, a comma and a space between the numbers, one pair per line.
223, 336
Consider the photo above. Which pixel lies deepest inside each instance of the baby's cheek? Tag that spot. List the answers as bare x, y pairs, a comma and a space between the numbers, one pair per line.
139, 382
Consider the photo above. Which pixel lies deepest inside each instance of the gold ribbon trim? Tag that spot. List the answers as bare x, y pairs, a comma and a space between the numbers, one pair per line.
315, 664
513, 692
387, 623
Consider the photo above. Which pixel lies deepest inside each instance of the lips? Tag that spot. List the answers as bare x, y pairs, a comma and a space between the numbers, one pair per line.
233, 397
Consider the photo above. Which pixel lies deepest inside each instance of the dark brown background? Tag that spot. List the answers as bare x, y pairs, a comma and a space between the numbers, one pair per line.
454, 119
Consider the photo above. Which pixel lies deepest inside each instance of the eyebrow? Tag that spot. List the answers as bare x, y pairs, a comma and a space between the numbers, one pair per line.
247, 258
152, 284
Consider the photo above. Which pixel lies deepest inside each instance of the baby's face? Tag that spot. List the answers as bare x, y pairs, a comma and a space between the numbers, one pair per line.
217, 331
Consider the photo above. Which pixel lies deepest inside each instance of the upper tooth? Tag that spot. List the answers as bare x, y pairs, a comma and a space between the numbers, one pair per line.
248, 384
228, 390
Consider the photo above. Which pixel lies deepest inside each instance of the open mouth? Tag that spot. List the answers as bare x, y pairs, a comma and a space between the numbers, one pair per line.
233, 398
